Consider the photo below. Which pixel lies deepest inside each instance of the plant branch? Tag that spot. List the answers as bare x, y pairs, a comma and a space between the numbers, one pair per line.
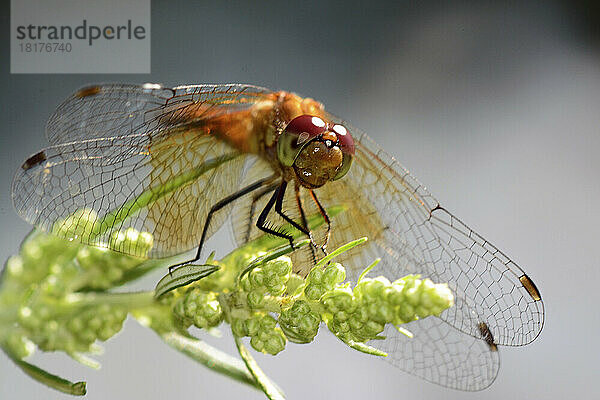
48, 379
210, 357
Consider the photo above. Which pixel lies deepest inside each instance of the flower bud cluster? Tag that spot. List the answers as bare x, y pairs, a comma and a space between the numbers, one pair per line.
70, 329
54, 287
105, 267
260, 289
38, 285
299, 322
40, 256
267, 280
361, 314
356, 314
262, 329
319, 281
199, 308
98, 322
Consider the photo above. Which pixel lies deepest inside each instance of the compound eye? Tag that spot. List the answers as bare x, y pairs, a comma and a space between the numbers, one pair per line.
345, 167
307, 124
344, 138
296, 135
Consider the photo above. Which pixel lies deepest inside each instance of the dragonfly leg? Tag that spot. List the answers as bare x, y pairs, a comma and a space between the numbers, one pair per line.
219, 205
278, 209
305, 222
255, 198
262, 223
325, 217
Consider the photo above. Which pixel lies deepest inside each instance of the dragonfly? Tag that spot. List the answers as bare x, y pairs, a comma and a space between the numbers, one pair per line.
201, 155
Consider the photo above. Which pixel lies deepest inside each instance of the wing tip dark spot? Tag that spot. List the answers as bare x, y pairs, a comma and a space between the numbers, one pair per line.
487, 336
88, 91
530, 287
34, 160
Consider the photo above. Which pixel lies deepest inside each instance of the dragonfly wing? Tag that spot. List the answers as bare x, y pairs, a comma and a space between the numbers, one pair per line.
413, 234
109, 110
161, 175
438, 352
163, 192
441, 354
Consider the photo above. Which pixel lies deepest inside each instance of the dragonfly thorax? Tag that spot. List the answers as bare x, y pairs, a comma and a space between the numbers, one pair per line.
317, 151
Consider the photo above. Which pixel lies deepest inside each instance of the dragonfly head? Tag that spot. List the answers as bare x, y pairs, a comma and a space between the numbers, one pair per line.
317, 151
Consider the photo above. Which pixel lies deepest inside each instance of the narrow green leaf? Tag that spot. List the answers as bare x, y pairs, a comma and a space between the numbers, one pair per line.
368, 269
365, 348
404, 331
85, 360
182, 276
268, 387
211, 258
340, 250
48, 379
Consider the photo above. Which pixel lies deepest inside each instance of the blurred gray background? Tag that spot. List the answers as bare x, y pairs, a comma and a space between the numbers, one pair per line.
494, 107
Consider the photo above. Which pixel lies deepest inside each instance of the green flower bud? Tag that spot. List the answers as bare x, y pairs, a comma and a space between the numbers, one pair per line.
319, 281
97, 323
75, 331
339, 299
413, 298
239, 328
315, 276
281, 266
276, 288
273, 275
361, 314
372, 296
299, 323
313, 292
256, 277
104, 267
199, 308
332, 274
264, 334
276, 343
253, 325
14, 266
295, 284
267, 338
267, 323
245, 283
256, 298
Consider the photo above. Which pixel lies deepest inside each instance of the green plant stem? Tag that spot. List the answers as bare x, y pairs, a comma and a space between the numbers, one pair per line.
268, 387
48, 379
210, 357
